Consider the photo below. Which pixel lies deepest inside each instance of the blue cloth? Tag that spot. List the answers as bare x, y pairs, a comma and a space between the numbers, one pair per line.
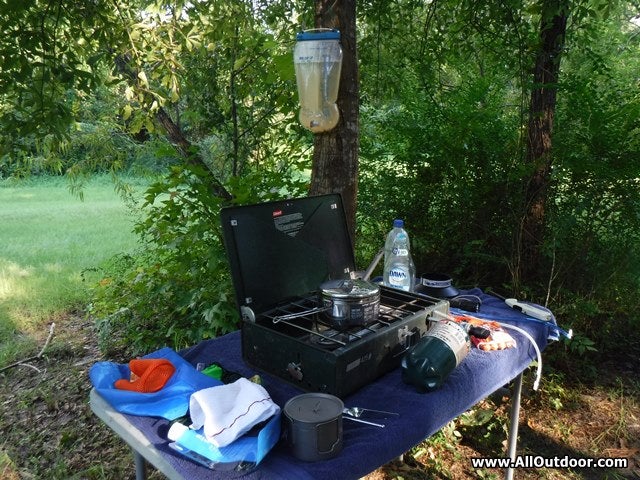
366, 447
171, 402
494, 308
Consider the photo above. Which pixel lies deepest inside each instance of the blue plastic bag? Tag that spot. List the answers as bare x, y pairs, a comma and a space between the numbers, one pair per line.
171, 402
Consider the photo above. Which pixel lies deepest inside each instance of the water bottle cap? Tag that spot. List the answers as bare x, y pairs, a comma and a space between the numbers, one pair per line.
318, 34
398, 223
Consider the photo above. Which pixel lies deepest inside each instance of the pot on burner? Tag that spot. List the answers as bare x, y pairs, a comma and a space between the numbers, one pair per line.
350, 303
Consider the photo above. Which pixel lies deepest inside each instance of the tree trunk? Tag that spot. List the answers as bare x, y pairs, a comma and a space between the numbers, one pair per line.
541, 113
335, 156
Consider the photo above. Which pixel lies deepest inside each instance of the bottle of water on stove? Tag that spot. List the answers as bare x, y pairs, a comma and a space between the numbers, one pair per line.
399, 270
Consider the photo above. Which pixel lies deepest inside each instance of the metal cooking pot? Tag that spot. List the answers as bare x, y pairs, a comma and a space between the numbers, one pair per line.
350, 302
313, 426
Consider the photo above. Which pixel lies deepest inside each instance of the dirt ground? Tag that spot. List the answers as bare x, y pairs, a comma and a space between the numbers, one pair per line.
49, 432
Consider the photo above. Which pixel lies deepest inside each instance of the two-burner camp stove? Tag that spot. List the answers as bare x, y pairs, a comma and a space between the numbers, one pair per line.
280, 253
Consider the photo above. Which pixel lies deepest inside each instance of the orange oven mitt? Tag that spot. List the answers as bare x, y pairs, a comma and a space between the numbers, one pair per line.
148, 375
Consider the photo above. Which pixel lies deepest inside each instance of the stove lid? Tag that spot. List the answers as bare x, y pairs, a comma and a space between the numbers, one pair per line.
285, 249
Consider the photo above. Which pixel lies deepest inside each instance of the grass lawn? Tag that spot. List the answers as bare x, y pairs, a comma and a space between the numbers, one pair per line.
48, 238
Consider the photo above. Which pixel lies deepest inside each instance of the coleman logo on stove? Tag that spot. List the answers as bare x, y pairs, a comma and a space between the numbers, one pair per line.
277, 213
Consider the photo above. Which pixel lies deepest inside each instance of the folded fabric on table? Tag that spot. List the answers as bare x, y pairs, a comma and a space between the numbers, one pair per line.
170, 402
229, 411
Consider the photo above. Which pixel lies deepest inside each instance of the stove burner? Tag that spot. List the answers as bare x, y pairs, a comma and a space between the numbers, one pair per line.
300, 318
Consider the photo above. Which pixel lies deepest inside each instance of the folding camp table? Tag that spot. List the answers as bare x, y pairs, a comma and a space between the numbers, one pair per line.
366, 447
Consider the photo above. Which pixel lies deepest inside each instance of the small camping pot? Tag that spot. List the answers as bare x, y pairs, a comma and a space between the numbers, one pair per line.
313, 426
350, 302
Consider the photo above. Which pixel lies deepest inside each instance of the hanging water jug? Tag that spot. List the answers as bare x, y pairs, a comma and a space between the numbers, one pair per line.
317, 59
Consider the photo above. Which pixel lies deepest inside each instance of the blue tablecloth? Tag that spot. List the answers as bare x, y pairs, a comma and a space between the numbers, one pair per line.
367, 447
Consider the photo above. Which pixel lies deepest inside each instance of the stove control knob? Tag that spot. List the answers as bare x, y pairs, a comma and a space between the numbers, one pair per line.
295, 370
247, 314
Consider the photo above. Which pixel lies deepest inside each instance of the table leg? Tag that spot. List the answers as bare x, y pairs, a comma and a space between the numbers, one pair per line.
141, 466
514, 422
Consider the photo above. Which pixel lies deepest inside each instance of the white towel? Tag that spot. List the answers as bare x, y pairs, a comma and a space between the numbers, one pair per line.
229, 411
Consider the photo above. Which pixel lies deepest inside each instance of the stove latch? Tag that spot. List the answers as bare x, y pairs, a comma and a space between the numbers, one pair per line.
403, 333
295, 370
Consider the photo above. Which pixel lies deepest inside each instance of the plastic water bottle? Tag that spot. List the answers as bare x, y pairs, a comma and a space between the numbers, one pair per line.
399, 271
318, 62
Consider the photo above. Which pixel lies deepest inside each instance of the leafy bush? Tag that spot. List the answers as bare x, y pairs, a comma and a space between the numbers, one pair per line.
449, 178
177, 289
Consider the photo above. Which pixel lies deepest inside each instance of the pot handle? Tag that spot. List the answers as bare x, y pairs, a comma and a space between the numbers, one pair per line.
304, 313
338, 436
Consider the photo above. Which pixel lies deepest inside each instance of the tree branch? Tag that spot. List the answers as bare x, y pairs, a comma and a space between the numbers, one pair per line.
174, 133
35, 357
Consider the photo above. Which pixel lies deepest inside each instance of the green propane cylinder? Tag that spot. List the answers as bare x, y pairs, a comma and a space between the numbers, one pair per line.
428, 363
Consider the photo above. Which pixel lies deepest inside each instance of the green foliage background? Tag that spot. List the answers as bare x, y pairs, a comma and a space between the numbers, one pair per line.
444, 95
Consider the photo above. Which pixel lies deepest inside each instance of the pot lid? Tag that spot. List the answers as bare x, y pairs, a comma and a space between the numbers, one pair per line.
349, 289
284, 249
314, 407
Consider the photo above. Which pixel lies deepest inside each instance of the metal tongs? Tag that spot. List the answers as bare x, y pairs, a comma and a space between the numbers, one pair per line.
354, 414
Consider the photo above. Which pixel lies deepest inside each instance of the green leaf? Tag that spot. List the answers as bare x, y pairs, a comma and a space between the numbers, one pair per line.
239, 63
143, 79
126, 112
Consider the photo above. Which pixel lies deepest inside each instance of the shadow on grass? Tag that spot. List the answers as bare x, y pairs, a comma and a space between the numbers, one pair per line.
598, 423
536, 444
14, 344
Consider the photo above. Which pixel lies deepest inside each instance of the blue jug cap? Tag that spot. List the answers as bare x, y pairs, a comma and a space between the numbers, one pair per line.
318, 34
398, 223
